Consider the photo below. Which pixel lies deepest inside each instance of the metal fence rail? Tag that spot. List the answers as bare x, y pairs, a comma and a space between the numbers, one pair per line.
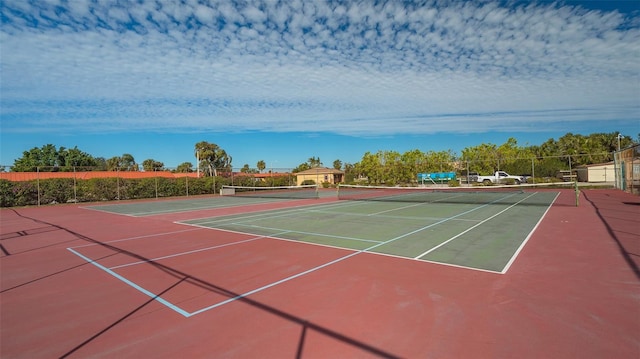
73, 185
83, 184
627, 169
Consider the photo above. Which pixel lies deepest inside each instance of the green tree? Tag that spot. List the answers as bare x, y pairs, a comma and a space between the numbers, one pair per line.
314, 162
371, 167
302, 167
73, 158
49, 158
337, 164
212, 157
151, 165
129, 163
413, 162
247, 169
126, 162
45, 157
440, 161
580, 149
482, 158
350, 174
101, 164
185, 167
113, 163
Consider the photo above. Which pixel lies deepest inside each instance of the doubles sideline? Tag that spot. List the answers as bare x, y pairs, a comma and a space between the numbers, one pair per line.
185, 313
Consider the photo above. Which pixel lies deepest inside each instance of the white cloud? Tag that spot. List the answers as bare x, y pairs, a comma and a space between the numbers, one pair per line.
356, 68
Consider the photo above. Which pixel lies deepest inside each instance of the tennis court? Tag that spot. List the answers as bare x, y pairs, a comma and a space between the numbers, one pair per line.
359, 273
477, 229
480, 229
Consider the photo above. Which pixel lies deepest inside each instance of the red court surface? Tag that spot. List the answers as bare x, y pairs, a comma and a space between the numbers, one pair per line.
573, 291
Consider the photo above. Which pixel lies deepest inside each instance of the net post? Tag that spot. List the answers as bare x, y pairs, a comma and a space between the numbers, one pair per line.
577, 190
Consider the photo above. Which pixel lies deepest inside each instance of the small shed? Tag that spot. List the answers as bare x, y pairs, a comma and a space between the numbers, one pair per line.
600, 172
320, 175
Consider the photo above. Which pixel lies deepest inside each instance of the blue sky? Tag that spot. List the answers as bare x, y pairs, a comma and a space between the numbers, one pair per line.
286, 81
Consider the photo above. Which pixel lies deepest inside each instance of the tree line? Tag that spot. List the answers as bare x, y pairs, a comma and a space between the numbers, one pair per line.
384, 166
545, 160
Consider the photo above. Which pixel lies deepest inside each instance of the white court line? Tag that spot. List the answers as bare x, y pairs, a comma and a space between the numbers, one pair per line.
301, 232
188, 314
246, 294
414, 205
276, 213
134, 285
470, 228
139, 288
411, 218
198, 208
197, 250
141, 237
513, 258
396, 209
265, 214
164, 211
434, 262
246, 218
243, 295
103, 211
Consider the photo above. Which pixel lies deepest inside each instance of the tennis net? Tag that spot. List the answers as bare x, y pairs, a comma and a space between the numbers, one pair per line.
431, 194
285, 192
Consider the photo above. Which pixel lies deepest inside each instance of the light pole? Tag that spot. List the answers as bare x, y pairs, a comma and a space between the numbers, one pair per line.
619, 137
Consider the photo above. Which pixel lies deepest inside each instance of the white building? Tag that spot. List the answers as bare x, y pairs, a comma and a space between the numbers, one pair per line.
601, 172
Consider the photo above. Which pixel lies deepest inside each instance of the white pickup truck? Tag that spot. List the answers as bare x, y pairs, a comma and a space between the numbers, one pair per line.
500, 177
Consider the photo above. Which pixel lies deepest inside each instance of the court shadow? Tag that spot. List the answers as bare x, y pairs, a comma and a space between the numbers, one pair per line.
184, 277
607, 212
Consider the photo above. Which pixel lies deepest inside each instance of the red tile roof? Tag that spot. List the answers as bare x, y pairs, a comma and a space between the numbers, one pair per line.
30, 176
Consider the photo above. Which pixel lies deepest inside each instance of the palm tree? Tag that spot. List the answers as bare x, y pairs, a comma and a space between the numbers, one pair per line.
261, 165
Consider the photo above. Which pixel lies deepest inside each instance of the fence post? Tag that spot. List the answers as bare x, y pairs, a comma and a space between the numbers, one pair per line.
75, 190
156, 178
118, 183
533, 170
38, 183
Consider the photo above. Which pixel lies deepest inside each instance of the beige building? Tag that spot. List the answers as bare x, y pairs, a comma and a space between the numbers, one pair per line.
602, 172
320, 175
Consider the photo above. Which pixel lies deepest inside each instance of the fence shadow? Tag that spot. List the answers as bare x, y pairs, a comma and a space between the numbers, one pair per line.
605, 213
181, 277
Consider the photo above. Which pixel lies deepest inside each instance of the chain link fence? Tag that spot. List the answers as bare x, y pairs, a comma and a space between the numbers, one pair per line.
545, 169
53, 185
627, 169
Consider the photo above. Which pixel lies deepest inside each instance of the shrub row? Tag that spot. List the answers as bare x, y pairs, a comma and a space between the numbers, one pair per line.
66, 190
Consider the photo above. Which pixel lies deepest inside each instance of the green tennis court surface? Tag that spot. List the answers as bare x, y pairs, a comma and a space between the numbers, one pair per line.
468, 230
150, 208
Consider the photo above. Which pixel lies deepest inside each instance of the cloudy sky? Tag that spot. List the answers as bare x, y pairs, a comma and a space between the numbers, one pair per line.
283, 81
